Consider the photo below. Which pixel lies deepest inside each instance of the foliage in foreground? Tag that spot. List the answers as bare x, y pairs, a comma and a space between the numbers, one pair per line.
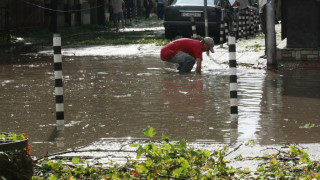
169, 160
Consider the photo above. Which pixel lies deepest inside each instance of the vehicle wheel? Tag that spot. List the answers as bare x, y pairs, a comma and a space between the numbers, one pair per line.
168, 34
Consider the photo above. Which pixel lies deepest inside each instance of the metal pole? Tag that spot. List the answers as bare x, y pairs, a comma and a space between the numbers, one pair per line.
271, 35
206, 18
58, 81
233, 76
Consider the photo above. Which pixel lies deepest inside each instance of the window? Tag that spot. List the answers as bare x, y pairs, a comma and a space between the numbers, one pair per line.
194, 2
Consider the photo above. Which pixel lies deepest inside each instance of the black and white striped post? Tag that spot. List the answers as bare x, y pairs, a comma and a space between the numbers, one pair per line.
193, 27
235, 27
58, 81
226, 29
245, 23
240, 25
233, 76
222, 28
251, 23
257, 23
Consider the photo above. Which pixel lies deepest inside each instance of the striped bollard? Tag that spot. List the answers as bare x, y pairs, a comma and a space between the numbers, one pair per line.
235, 28
221, 33
248, 23
221, 28
226, 30
136, 12
256, 25
194, 29
251, 24
58, 81
233, 76
243, 23
240, 25
259, 25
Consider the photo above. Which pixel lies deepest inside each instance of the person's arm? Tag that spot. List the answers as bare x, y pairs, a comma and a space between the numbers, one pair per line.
198, 68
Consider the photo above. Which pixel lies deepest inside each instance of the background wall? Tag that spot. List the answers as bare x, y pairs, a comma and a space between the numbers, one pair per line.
303, 23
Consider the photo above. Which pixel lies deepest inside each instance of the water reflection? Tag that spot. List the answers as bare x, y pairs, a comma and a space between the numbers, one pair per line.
116, 97
290, 101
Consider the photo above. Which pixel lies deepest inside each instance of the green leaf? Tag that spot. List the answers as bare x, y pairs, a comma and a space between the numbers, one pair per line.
294, 150
149, 132
134, 145
206, 153
165, 138
166, 146
183, 143
177, 172
304, 157
149, 163
261, 168
52, 177
75, 160
309, 125
2, 136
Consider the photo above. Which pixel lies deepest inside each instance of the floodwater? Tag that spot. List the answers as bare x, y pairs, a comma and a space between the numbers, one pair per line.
109, 97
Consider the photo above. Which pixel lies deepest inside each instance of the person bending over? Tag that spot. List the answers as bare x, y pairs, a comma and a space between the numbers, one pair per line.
186, 52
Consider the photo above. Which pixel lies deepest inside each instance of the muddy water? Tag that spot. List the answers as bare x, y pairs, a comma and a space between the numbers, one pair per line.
119, 97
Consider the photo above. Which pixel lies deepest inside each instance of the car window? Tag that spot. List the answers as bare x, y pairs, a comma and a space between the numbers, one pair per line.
193, 2
231, 1
224, 3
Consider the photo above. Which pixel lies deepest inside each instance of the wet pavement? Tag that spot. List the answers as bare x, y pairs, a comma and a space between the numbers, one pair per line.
112, 94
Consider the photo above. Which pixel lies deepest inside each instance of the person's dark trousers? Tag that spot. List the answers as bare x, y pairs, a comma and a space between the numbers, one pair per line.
185, 61
263, 19
187, 66
160, 8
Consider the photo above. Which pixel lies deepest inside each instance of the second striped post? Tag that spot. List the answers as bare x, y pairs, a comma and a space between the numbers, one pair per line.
58, 81
233, 76
193, 27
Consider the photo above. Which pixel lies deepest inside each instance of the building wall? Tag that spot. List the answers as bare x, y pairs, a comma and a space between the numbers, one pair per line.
303, 23
25, 15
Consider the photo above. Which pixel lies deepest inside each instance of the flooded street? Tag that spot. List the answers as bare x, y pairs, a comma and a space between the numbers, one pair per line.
115, 97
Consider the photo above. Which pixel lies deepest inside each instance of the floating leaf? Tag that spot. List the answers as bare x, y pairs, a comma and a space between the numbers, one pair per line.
149, 132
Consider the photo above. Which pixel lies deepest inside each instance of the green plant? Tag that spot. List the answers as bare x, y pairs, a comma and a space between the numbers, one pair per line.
175, 160
12, 137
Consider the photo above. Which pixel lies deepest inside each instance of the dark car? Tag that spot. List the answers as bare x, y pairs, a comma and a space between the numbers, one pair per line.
177, 20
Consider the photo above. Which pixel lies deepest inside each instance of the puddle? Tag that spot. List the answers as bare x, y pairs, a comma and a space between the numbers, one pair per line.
115, 97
